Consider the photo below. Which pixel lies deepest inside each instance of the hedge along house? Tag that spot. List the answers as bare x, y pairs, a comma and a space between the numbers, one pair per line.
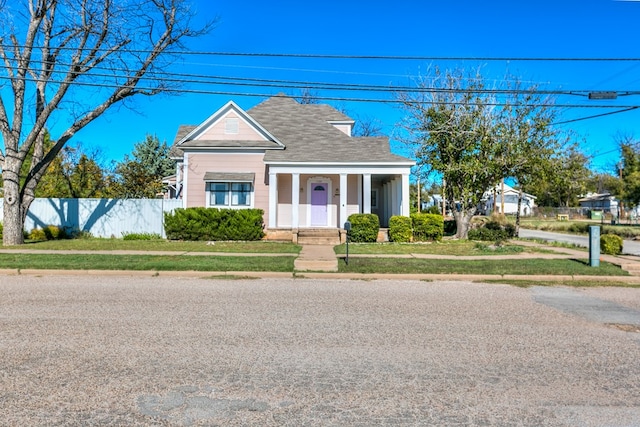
299, 163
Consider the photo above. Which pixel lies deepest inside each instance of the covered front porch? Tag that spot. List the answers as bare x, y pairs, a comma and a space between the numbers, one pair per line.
324, 197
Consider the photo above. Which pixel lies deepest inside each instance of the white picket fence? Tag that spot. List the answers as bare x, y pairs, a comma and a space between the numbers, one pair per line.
101, 217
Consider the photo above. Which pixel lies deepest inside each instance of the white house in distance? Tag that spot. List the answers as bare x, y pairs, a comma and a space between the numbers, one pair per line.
604, 202
297, 162
510, 197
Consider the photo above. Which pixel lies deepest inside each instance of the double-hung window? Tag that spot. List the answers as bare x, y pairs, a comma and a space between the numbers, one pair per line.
229, 194
229, 190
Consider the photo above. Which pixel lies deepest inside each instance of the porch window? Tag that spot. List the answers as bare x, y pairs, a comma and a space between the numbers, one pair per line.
374, 198
229, 194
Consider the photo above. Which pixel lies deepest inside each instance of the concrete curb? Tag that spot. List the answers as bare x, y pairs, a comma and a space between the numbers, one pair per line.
316, 275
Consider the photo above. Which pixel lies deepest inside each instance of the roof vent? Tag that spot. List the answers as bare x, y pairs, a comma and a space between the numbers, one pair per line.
231, 126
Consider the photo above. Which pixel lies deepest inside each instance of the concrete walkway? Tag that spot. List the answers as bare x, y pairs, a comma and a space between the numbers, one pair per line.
316, 258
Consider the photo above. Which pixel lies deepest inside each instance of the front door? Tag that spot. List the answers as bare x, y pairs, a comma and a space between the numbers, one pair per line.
319, 204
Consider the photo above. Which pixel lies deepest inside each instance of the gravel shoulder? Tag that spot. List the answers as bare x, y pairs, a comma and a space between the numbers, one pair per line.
78, 350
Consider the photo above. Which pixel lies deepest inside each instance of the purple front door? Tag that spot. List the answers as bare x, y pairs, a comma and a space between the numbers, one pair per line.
319, 204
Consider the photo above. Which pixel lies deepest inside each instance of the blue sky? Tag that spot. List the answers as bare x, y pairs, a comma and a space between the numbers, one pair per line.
467, 29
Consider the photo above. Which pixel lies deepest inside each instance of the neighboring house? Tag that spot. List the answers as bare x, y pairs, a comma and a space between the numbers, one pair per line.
604, 202
297, 162
510, 196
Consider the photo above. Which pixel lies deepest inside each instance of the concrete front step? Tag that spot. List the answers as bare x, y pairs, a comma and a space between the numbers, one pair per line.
319, 236
332, 241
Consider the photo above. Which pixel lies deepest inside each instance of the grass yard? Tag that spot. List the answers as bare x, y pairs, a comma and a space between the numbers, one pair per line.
446, 247
626, 231
525, 267
146, 262
96, 244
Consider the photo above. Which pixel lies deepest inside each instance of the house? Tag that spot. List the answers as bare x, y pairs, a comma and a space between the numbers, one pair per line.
297, 162
510, 196
604, 202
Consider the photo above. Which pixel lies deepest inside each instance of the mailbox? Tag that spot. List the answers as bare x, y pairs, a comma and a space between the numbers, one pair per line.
347, 226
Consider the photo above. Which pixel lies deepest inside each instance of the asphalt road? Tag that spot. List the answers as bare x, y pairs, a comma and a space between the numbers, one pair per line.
630, 247
271, 352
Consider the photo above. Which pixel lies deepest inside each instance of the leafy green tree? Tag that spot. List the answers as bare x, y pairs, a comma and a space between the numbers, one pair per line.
630, 169
606, 183
562, 179
141, 176
76, 174
461, 132
523, 131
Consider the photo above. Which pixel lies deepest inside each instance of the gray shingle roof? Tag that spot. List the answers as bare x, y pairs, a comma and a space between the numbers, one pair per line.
308, 137
305, 131
183, 131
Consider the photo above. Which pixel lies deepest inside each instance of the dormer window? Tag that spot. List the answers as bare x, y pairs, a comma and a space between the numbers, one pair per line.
231, 126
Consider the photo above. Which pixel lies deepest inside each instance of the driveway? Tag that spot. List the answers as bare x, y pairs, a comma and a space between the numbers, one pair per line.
630, 247
271, 352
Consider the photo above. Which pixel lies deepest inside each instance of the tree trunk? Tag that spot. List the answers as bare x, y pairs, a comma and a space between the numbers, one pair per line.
463, 222
13, 218
518, 214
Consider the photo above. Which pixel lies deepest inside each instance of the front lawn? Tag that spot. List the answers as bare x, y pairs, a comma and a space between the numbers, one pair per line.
96, 244
525, 267
446, 247
146, 262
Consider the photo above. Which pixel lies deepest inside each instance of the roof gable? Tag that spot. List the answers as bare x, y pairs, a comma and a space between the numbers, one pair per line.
230, 126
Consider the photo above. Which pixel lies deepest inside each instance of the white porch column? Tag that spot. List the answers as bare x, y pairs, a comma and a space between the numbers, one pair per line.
360, 202
405, 209
366, 190
387, 202
394, 197
273, 200
343, 199
295, 200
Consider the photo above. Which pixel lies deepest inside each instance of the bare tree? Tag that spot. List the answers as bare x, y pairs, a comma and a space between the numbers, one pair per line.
367, 126
69, 61
307, 96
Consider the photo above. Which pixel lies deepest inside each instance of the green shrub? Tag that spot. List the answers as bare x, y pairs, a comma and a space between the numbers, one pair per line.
400, 229
578, 228
611, 244
493, 231
427, 227
364, 228
0, 230
53, 232
433, 209
214, 224
141, 236
38, 235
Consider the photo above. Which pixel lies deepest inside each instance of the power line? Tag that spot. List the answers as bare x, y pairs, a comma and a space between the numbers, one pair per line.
595, 116
319, 97
350, 56
186, 78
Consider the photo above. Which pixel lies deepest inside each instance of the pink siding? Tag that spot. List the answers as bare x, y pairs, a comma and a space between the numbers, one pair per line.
343, 128
284, 201
217, 131
201, 163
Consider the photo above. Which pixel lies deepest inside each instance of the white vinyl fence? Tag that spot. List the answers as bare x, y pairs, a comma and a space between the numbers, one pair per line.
101, 217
